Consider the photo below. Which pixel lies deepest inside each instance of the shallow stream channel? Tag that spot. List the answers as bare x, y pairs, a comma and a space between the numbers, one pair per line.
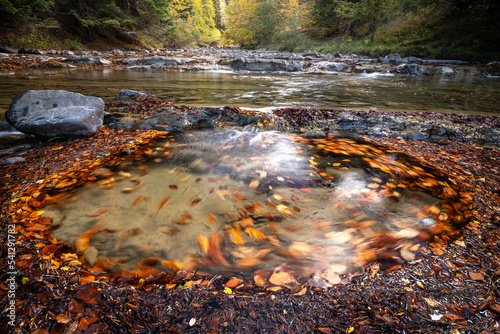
375, 91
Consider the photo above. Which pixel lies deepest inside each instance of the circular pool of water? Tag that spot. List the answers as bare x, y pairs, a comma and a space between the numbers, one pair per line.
231, 201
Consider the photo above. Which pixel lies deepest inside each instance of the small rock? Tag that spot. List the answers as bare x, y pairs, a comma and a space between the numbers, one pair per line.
131, 61
130, 94
12, 160
311, 54
206, 123
91, 255
446, 71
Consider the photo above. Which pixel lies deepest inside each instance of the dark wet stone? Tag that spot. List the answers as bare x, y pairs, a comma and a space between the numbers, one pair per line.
56, 113
130, 94
257, 64
12, 160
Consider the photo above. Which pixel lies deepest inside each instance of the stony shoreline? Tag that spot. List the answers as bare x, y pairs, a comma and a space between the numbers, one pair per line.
245, 60
140, 111
149, 112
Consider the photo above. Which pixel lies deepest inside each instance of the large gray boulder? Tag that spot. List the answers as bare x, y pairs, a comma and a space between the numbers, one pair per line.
259, 64
56, 113
411, 69
332, 66
88, 60
162, 60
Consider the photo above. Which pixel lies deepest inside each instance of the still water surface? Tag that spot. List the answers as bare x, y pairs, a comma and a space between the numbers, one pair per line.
379, 91
236, 201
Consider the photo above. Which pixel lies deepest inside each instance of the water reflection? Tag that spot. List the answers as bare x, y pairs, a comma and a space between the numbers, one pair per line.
380, 91
231, 201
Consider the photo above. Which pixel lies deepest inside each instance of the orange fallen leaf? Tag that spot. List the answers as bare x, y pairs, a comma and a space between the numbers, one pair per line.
259, 277
248, 262
86, 279
83, 242
170, 231
295, 198
163, 203
233, 282
212, 219
213, 250
282, 278
284, 210
148, 262
174, 265
476, 276
106, 183
203, 244
229, 214
331, 277
195, 201
255, 233
236, 237
139, 199
305, 190
99, 212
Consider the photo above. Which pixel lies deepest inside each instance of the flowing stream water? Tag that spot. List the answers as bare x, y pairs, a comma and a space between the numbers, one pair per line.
378, 91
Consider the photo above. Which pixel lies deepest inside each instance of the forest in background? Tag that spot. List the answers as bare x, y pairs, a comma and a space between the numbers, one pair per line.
446, 29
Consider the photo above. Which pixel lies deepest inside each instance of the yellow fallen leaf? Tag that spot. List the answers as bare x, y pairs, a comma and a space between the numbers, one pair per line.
203, 244
253, 184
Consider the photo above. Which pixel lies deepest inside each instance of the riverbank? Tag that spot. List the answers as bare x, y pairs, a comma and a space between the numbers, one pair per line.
452, 286
245, 60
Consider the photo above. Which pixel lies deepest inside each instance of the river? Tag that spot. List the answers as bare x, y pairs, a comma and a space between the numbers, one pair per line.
377, 91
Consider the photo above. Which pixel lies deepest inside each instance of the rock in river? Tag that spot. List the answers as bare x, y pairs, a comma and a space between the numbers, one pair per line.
56, 113
258, 64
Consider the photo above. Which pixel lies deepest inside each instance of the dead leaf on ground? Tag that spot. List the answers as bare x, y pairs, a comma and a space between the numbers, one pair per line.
281, 278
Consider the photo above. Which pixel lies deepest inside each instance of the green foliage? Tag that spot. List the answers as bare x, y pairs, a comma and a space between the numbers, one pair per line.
425, 28
253, 23
192, 21
40, 39
25, 9
177, 22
